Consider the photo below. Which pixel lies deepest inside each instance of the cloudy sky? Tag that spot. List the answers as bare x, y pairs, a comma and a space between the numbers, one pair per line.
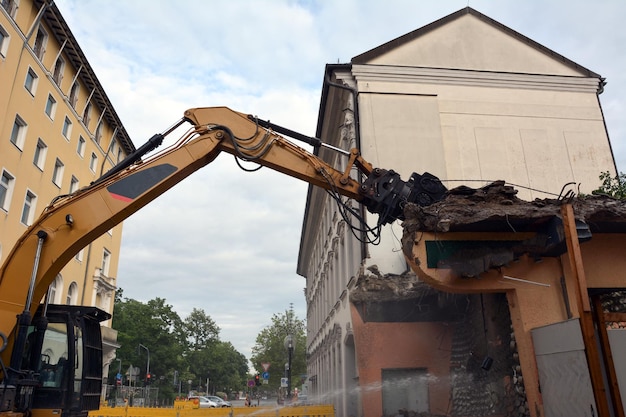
225, 240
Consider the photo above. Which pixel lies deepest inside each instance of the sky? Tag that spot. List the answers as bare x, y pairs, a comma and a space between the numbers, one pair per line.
224, 240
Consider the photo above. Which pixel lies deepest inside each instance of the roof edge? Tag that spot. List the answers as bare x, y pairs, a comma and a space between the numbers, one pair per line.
399, 41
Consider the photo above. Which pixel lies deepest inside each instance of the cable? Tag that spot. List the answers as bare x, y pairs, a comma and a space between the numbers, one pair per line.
508, 183
347, 212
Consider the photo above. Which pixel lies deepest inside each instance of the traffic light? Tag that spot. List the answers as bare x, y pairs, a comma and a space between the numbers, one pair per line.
148, 378
257, 380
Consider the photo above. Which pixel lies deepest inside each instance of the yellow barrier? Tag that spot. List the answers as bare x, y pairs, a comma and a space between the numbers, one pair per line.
186, 411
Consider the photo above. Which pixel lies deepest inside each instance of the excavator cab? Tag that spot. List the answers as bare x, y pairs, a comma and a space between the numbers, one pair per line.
61, 364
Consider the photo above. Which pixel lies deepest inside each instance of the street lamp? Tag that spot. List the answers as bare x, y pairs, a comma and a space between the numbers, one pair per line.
148, 364
147, 372
290, 344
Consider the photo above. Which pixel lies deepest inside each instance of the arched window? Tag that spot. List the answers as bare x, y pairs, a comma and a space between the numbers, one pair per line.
72, 294
54, 291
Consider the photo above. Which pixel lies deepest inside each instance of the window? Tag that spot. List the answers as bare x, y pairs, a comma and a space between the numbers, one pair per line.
87, 115
31, 81
7, 181
67, 128
74, 93
93, 163
72, 294
73, 184
51, 106
112, 147
59, 66
57, 173
10, 6
4, 42
18, 134
106, 262
80, 149
40, 154
98, 134
54, 289
29, 208
40, 43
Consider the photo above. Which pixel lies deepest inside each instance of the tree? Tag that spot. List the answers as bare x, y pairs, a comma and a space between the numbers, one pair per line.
270, 348
200, 329
191, 347
613, 186
156, 326
228, 368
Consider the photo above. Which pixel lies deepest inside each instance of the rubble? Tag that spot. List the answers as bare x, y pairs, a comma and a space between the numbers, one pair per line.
372, 285
495, 207
492, 208
381, 297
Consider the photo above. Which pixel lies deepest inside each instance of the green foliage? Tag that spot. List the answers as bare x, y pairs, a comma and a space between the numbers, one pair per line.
270, 348
190, 348
201, 330
613, 186
154, 325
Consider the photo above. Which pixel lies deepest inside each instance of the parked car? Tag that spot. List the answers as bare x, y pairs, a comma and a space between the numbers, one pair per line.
204, 402
219, 401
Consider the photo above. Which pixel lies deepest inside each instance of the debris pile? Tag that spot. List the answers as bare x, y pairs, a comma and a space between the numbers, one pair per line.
495, 207
372, 285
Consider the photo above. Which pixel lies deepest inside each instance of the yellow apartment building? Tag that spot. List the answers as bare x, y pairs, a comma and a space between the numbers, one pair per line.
58, 133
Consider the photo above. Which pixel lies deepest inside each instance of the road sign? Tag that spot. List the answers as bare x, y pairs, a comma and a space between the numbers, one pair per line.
265, 375
266, 366
251, 383
283, 382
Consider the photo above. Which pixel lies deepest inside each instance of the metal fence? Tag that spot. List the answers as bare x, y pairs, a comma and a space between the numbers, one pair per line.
132, 396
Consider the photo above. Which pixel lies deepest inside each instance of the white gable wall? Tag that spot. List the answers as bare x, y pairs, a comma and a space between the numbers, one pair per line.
470, 43
538, 132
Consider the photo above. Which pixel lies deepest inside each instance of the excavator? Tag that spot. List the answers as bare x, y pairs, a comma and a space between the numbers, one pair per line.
31, 329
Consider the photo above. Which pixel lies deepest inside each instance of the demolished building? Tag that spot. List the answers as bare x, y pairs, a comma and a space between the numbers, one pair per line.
392, 321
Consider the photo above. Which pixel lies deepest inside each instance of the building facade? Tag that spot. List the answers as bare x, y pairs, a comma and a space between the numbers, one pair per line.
470, 101
58, 132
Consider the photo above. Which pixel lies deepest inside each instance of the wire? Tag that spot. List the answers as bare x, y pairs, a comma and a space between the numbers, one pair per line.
372, 235
508, 183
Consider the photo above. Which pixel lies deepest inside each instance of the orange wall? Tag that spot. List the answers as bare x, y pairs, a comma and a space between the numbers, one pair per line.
401, 345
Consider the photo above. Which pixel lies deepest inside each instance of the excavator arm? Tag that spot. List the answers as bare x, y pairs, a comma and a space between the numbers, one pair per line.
71, 222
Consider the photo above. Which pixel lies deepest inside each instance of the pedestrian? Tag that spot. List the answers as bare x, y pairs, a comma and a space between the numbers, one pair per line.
247, 400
